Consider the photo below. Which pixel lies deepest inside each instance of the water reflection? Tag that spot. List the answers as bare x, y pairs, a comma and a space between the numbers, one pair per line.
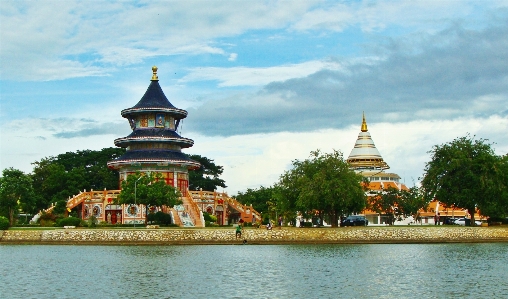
237, 271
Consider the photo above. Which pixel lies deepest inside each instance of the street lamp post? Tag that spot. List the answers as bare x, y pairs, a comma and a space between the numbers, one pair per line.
135, 204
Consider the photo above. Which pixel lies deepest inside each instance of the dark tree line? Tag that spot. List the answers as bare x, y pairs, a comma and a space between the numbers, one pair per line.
464, 173
207, 176
323, 185
57, 178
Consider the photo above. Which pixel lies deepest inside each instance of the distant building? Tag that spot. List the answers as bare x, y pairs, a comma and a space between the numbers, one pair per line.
366, 160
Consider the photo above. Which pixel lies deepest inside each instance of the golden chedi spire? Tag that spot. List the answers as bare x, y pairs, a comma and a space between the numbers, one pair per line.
364, 124
154, 76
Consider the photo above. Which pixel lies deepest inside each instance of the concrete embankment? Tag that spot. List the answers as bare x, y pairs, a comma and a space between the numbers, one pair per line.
257, 236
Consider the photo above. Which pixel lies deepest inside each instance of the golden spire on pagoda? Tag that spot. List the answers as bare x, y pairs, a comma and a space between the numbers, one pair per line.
154, 76
364, 124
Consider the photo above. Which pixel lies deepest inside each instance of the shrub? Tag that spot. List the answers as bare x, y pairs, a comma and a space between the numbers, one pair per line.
210, 224
4, 223
47, 216
69, 221
208, 217
46, 223
103, 223
160, 218
92, 221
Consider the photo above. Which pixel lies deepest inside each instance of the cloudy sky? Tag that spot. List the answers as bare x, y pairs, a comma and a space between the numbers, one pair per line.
264, 82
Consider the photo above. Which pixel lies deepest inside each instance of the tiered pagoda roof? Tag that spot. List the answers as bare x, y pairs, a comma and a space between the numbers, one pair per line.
365, 156
154, 100
154, 139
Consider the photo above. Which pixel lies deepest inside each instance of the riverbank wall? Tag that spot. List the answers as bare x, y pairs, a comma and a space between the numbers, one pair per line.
257, 236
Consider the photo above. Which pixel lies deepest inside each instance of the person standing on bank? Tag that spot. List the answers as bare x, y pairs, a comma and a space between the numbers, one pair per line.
280, 222
239, 231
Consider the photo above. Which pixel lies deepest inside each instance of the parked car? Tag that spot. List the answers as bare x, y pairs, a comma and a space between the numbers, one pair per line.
467, 221
355, 220
450, 221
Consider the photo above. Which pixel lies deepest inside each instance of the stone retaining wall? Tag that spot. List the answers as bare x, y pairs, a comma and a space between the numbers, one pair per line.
258, 236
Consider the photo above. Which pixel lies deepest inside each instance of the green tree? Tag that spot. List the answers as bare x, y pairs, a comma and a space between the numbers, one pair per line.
398, 204
496, 205
207, 176
16, 192
386, 202
57, 178
286, 194
4, 223
411, 201
464, 173
324, 183
258, 198
148, 190
159, 218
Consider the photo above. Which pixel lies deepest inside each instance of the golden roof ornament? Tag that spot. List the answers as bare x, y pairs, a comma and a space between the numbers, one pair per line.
154, 76
364, 124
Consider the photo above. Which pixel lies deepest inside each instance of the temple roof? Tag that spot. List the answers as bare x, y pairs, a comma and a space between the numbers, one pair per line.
154, 134
365, 154
154, 100
154, 156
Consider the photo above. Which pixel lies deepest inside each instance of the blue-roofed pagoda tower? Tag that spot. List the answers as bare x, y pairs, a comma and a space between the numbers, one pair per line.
154, 144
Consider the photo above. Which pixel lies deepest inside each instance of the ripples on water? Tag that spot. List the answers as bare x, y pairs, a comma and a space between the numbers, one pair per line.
255, 271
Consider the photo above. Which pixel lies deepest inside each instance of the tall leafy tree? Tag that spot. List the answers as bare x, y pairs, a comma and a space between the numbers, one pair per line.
148, 190
57, 178
412, 201
496, 206
326, 184
16, 192
386, 202
464, 173
397, 204
207, 176
259, 198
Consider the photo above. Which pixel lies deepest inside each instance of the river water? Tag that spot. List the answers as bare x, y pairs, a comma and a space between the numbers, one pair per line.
255, 271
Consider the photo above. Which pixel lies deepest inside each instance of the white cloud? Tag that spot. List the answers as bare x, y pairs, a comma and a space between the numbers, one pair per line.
257, 76
232, 57
38, 39
253, 160
447, 83
92, 34
378, 15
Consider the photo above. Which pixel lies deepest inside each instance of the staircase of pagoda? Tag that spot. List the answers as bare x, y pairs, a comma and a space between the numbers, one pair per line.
220, 205
100, 201
192, 211
109, 196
